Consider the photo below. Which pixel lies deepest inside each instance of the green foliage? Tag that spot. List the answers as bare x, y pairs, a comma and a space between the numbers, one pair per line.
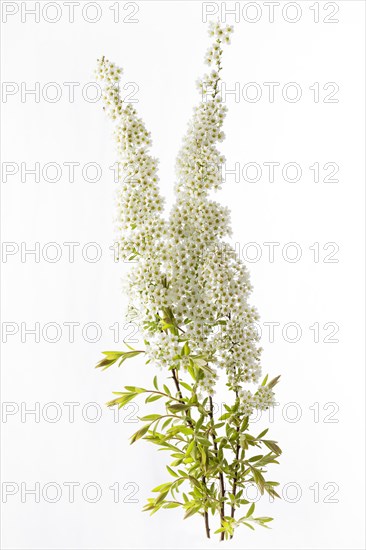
212, 459
112, 357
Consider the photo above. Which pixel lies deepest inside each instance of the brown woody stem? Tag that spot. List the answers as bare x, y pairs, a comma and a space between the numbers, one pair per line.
237, 450
221, 477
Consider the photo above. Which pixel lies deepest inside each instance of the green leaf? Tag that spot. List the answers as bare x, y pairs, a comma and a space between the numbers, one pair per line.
171, 471
165, 326
155, 382
135, 390
149, 506
176, 407
250, 511
271, 491
253, 458
185, 349
219, 425
204, 456
259, 480
270, 458
272, 445
166, 423
245, 424
181, 429
150, 417
110, 358
273, 382
195, 482
204, 441
152, 398
140, 433
190, 448
202, 364
122, 400
192, 510
199, 422
172, 505
186, 386
161, 497
163, 488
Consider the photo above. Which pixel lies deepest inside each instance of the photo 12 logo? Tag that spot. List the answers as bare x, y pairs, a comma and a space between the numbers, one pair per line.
271, 12
54, 92
70, 12
68, 491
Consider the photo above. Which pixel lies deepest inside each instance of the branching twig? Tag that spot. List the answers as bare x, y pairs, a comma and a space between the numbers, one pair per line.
189, 420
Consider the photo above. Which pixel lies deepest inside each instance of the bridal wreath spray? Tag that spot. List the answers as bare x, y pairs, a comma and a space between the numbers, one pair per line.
189, 292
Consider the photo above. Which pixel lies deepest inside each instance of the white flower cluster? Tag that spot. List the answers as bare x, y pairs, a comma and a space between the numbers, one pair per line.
139, 204
222, 35
261, 400
110, 75
188, 288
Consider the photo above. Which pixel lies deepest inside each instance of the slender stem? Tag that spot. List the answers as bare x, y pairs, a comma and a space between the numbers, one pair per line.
221, 477
237, 450
207, 525
179, 392
177, 385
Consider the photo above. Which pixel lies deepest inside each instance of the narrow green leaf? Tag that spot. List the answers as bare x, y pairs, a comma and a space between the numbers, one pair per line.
190, 448
171, 471
152, 398
176, 407
186, 386
273, 382
140, 433
161, 497
150, 417
135, 390
163, 488
251, 510
272, 445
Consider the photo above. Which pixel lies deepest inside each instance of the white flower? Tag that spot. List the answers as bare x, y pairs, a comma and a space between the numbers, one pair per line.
263, 398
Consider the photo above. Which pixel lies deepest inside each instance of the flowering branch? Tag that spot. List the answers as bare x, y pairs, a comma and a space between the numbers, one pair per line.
189, 293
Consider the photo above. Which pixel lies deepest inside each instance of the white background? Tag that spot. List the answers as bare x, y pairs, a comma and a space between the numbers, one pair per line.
163, 54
